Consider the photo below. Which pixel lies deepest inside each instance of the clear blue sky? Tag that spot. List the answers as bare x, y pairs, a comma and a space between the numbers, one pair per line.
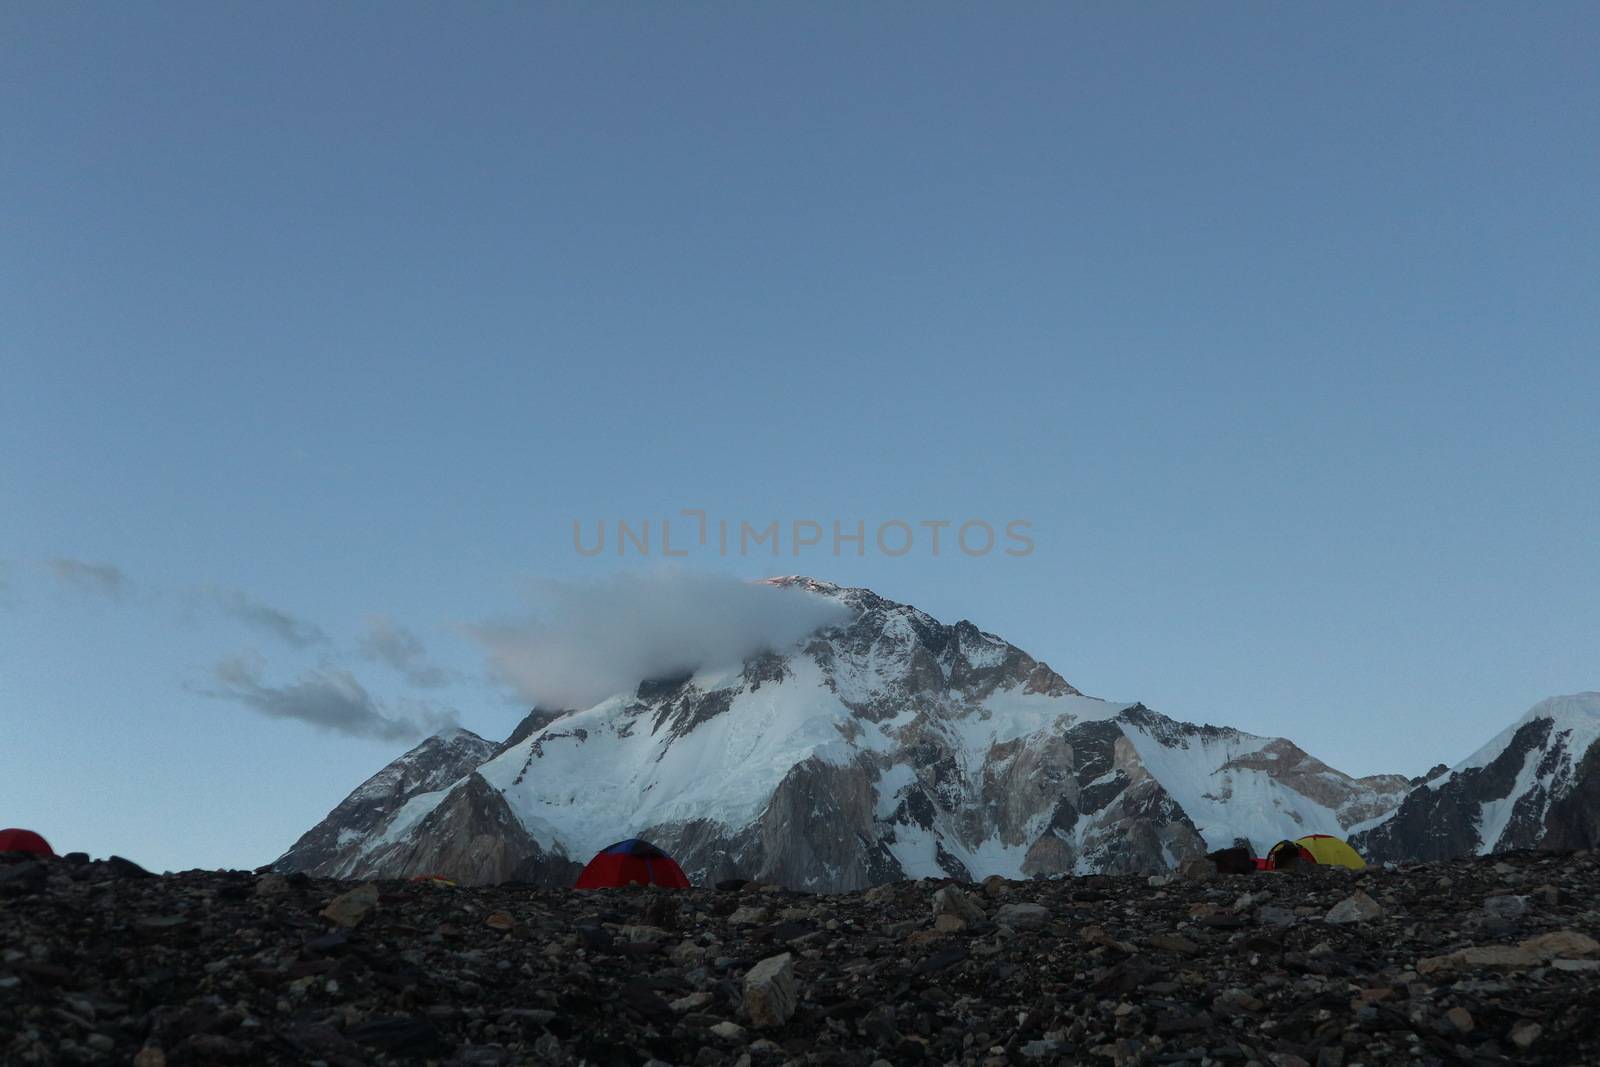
1280, 327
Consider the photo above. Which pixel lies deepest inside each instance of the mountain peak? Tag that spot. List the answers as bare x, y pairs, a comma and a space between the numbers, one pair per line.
1517, 791
801, 581
451, 735
1565, 709
891, 745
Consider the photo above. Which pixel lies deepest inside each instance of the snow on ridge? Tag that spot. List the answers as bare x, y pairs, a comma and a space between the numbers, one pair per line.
1577, 712
412, 812
1495, 815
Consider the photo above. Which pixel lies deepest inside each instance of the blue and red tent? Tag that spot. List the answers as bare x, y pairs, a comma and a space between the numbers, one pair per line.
631, 862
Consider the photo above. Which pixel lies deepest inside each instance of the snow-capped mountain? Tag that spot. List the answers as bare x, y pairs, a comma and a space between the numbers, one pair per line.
1537, 784
893, 746
440, 761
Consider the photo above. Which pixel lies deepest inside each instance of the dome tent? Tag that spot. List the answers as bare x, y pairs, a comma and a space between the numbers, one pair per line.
1331, 851
631, 862
1315, 848
15, 840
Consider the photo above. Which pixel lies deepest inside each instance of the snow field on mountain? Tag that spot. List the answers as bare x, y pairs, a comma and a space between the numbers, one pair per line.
1237, 802
623, 778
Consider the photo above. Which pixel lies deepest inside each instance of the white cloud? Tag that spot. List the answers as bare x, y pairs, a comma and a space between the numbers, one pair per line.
594, 639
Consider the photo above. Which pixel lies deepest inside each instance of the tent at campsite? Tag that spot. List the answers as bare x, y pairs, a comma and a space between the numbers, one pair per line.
1314, 848
15, 840
631, 862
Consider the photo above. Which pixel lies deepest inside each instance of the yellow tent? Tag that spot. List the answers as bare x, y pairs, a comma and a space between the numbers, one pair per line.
1331, 852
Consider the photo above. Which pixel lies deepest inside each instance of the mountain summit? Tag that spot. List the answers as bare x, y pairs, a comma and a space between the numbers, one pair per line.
892, 746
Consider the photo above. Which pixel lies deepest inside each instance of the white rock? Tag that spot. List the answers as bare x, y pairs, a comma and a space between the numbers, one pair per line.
770, 993
728, 1031
1355, 908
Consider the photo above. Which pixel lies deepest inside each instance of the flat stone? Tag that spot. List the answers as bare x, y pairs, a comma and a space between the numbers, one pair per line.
1024, 916
1234, 1000
1575, 965
1566, 943
692, 1002
1173, 943
1503, 957
1506, 905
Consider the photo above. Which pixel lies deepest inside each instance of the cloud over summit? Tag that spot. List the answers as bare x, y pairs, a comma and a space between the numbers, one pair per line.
594, 639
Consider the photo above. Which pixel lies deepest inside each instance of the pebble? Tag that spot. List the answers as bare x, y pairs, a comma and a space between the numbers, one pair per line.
729, 1031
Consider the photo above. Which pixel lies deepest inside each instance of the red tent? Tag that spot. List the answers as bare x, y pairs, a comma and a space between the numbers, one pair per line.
631, 862
14, 840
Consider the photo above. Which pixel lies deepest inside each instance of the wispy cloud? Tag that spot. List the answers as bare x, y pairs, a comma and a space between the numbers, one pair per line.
385, 641
105, 579
601, 638
326, 697
292, 631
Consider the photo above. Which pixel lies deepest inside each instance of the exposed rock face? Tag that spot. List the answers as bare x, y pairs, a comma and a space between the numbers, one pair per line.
532, 723
1573, 820
471, 837
438, 761
892, 746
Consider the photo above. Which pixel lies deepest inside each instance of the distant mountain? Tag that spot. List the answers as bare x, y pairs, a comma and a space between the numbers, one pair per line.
440, 761
891, 747
1535, 785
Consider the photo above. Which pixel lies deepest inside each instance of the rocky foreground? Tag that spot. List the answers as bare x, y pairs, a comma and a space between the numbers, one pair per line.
1487, 960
